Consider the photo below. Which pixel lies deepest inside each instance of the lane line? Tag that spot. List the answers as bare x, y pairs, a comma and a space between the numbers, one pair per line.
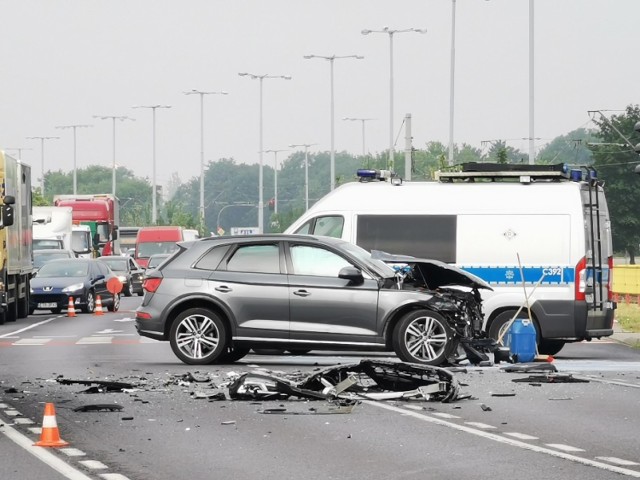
93, 464
505, 440
618, 461
564, 448
521, 436
29, 327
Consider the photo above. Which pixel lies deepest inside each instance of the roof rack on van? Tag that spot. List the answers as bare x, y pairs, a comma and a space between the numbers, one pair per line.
494, 172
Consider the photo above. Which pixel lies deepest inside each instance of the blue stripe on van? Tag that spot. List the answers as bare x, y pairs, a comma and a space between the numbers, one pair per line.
511, 274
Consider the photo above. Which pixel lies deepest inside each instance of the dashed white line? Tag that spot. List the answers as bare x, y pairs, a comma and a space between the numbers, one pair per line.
34, 325
73, 452
23, 421
618, 461
445, 415
112, 476
31, 341
483, 426
94, 340
564, 448
93, 464
505, 440
521, 436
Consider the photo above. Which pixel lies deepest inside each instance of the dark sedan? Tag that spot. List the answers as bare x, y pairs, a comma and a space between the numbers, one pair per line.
81, 279
128, 271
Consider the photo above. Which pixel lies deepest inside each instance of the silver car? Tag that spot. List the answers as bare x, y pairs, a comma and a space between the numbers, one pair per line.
218, 297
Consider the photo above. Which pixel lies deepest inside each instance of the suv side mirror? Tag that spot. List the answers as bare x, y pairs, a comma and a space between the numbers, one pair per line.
352, 274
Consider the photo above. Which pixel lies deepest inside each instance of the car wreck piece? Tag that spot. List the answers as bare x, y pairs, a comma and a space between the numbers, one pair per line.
369, 379
110, 407
551, 378
98, 386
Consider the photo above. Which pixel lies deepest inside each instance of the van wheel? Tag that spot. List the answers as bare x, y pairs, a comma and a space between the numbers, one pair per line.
423, 336
550, 347
499, 324
198, 337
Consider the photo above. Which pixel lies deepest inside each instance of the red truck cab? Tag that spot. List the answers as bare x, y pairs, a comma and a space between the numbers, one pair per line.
152, 240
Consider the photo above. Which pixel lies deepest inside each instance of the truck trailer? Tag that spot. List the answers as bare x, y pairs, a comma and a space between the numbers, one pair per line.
16, 253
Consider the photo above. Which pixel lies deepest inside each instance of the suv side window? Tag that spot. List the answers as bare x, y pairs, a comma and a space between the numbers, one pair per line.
255, 258
211, 259
319, 262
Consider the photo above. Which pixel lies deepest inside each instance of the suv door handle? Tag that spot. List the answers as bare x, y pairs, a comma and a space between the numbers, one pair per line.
302, 293
223, 289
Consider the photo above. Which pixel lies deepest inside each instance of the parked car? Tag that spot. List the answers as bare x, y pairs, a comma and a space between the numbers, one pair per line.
82, 279
128, 271
40, 257
218, 297
157, 259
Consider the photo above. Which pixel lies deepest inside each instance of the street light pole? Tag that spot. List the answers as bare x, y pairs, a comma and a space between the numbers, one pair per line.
532, 150
331, 60
260, 177
113, 118
452, 73
202, 94
306, 170
391, 33
154, 210
75, 178
275, 177
42, 139
363, 120
19, 150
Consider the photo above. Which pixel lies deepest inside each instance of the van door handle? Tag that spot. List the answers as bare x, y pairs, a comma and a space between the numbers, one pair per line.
302, 293
223, 289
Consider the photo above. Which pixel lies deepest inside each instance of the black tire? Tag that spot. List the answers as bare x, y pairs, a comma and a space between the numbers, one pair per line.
424, 337
198, 337
127, 290
498, 323
550, 347
90, 304
233, 354
56, 311
12, 311
114, 306
23, 303
32, 311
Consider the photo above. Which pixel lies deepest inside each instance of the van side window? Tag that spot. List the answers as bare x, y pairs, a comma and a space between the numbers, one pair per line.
305, 229
329, 226
255, 258
316, 261
422, 236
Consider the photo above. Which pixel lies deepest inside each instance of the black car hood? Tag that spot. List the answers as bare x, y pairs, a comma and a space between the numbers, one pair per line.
56, 282
437, 274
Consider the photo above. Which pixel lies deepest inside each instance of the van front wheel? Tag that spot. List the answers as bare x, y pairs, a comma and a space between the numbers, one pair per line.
550, 347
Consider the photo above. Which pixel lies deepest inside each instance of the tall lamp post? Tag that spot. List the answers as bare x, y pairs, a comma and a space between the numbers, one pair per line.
363, 120
113, 118
331, 60
275, 177
42, 140
391, 33
19, 150
75, 176
532, 148
260, 177
154, 210
306, 170
202, 94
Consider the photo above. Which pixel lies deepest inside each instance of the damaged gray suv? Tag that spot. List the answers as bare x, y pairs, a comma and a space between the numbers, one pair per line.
216, 298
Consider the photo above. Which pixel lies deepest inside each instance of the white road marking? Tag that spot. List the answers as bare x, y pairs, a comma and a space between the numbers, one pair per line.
505, 440
12, 413
36, 430
618, 461
43, 454
112, 476
109, 331
27, 328
564, 448
93, 464
73, 452
484, 426
31, 341
94, 340
4, 405
23, 421
521, 436
127, 319
445, 415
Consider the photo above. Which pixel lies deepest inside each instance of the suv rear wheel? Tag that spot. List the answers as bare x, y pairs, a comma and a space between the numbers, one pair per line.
198, 336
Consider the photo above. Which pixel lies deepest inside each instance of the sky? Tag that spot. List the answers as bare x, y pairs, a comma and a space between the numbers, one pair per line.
64, 61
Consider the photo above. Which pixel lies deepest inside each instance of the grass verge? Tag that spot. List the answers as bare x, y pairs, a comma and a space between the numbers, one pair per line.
628, 316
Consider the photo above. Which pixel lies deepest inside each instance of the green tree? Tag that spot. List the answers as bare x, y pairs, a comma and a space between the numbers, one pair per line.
572, 148
615, 160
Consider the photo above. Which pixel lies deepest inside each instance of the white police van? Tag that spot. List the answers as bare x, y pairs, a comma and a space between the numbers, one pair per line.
549, 224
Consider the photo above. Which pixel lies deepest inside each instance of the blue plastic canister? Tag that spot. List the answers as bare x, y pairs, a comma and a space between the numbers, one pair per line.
521, 339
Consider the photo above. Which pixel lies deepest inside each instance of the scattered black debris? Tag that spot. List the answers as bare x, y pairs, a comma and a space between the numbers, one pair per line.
128, 418
551, 378
189, 377
212, 395
530, 367
98, 386
11, 390
228, 422
503, 394
485, 408
99, 407
562, 398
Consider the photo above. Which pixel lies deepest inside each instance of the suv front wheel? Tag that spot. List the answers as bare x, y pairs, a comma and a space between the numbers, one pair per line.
198, 336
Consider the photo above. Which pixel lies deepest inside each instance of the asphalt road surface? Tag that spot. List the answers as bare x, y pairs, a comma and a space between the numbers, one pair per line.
167, 428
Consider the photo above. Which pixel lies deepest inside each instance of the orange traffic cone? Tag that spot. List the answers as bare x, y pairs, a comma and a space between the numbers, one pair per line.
50, 436
98, 310
71, 311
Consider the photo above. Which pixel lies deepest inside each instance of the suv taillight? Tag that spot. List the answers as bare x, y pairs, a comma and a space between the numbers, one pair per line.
151, 284
610, 281
581, 279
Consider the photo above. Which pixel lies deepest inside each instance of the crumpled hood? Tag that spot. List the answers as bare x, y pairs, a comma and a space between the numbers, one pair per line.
436, 273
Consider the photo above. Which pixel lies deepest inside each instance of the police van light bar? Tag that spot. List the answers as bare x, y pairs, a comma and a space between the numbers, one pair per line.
366, 175
576, 175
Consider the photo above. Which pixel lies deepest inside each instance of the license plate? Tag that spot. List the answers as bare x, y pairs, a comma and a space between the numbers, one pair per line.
47, 305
